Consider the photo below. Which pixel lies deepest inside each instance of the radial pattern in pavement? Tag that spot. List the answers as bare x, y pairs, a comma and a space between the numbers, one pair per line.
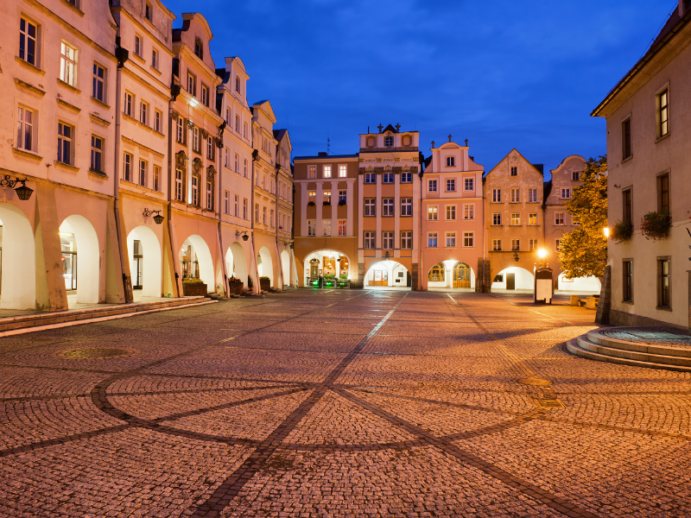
338, 403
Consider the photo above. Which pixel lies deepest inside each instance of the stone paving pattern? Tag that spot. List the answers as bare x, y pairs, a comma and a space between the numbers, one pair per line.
339, 403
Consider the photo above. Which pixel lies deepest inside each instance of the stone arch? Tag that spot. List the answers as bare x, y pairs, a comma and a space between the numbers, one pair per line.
341, 263
236, 263
18, 261
397, 275
265, 264
79, 243
579, 284
523, 279
195, 248
285, 267
146, 261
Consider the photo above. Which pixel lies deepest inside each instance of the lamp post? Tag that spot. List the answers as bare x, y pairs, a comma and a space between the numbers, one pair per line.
543, 289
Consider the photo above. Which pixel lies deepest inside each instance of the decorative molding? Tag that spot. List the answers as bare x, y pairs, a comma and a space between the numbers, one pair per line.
67, 85
181, 159
28, 86
97, 119
27, 154
68, 105
63, 165
29, 65
197, 166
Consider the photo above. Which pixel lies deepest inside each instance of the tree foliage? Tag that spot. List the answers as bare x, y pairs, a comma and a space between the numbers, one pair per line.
584, 251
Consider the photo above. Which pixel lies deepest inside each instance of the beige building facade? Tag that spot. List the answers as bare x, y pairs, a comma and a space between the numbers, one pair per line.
649, 161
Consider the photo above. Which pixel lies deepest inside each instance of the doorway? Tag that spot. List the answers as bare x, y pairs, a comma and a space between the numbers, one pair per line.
510, 281
461, 276
138, 264
378, 278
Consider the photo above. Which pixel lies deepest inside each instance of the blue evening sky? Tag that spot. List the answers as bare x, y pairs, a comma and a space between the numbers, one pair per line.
500, 73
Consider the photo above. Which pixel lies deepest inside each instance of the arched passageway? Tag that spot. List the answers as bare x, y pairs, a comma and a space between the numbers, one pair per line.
197, 262
387, 273
580, 284
265, 265
326, 262
451, 274
513, 278
285, 267
17, 260
144, 252
81, 260
236, 263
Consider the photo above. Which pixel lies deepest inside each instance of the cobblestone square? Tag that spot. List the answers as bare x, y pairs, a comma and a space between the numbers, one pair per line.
338, 403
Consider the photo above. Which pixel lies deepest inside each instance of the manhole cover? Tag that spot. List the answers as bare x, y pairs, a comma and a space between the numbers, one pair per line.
549, 403
96, 353
537, 382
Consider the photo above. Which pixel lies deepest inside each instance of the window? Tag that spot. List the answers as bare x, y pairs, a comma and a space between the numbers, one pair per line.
514, 171
205, 95
559, 218
450, 212
370, 178
154, 58
237, 123
407, 240
432, 213
533, 245
406, 206
566, 194
196, 143
264, 215
327, 197
515, 245
244, 131
195, 191
65, 143
370, 207
98, 83
450, 185
143, 112
469, 211
432, 240
432, 186
210, 148
157, 178
469, 239
245, 209
138, 46
326, 171
343, 171
370, 241
387, 178
664, 299
627, 284
311, 227
96, 154
129, 104
406, 177
244, 168
496, 195
451, 240
388, 141
180, 130
273, 224
236, 206
342, 197
127, 172
496, 219
663, 193
450, 161
237, 163
663, 113
148, 13
226, 202
28, 35
532, 195
312, 196
68, 64
575, 176
143, 166
192, 84
627, 205
557, 245
237, 84
387, 207
469, 184
198, 48
157, 120
496, 245
179, 186
311, 171
342, 227
25, 129
515, 218
515, 195
387, 240
532, 219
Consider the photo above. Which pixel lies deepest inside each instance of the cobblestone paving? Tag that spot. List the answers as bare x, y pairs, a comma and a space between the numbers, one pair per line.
665, 336
338, 403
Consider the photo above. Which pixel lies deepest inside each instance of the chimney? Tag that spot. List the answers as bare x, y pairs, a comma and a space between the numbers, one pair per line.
322, 153
684, 7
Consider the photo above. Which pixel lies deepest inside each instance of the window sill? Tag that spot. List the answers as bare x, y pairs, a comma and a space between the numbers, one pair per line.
69, 106
27, 154
74, 8
69, 86
155, 70
30, 87
138, 57
629, 302
100, 103
664, 308
63, 165
28, 65
99, 120
627, 159
663, 137
98, 174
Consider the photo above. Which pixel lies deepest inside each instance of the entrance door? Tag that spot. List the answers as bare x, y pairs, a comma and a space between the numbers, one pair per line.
510, 281
138, 263
314, 269
461, 276
378, 278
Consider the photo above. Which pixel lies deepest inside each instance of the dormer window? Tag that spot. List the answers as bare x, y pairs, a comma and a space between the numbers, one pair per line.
198, 48
148, 12
237, 84
450, 161
388, 141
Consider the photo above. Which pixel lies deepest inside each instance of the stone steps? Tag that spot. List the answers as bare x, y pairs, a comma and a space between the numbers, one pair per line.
596, 346
58, 318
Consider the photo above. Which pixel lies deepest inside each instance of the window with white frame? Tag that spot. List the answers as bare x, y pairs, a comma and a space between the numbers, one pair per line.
272, 221
143, 166
515, 218
468, 239
226, 202
210, 147
311, 171
311, 227
388, 141
154, 58
370, 207
265, 216
237, 123
311, 196
128, 107
26, 126
515, 245
432, 213
496, 219
407, 240
68, 64
143, 112
496, 195
469, 184
245, 209
406, 177
532, 195
236, 206
406, 206
342, 227
343, 171
432, 186
387, 240
532, 219
370, 178
370, 240
191, 84
236, 163
431, 240
515, 195
557, 245
138, 46
575, 176
96, 154
450, 161
326, 171
195, 191
450, 185
157, 178
533, 245
558, 218
244, 132
469, 211
451, 240
244, 168
98, 83
566, 194
514, 171
496, 245
65, 143
450, 212
28, 39
196, 142
127, 173
387, 178
179, 186
342, 196
205, 95
180, 133
327, 196
158, 117
387, 207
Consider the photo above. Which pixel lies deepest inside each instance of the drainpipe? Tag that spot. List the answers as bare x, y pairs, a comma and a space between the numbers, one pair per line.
221, 128
174, 92
257, 287
122, 56
278, 250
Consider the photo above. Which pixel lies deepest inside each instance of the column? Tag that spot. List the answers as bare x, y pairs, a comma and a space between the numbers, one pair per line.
320, 206
397, 216
334, 207
349, 206
303, 208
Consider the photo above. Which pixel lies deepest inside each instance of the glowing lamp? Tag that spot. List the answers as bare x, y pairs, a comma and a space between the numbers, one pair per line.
606, 231
542, 253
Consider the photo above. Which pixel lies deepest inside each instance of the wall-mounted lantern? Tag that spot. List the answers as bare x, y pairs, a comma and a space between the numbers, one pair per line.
23, 192
386, 256
157, 218
244, 235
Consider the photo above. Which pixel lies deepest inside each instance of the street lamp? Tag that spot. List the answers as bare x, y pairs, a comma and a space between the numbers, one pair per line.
606, 231
23, 192
244, 235
157, 218
386, 256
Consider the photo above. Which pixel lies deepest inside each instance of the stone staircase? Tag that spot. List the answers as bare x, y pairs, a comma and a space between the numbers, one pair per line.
654, 348
42, 321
